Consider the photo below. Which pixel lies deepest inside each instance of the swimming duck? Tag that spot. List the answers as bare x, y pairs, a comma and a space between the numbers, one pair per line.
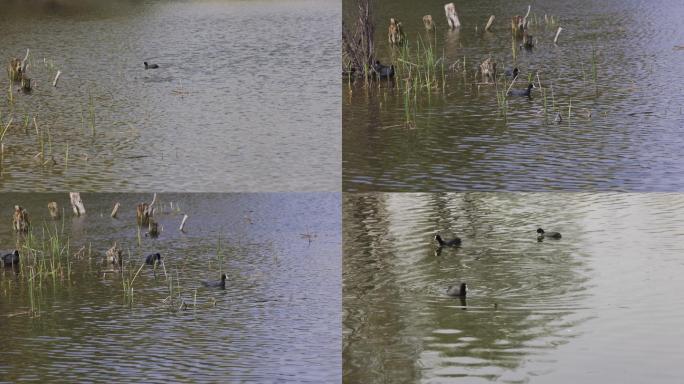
152, 259
150, 66
521, 92
455, 242
216, 284
511, 72
543, 234
10, 259
457, 291
383, 71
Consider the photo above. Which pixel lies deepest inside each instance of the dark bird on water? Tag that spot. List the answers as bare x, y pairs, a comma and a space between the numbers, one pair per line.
10, 259
551, 235
457, 291
216, 284
152, 259
455, 242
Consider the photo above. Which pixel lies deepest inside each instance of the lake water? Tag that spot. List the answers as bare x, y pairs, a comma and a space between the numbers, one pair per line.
244, 88
461, 141
602, 304
278, 319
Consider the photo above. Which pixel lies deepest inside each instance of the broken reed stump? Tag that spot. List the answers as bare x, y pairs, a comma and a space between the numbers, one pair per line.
14, 69
114, 255
142, 214
182, 226
153, 228
20, 220
489, 23
54, 82
555, 39
54, 210
527, 41
358, 47
25, 83
77, 203
519, 23
488, 70
115, 210
429, 24
395, 34
452, 16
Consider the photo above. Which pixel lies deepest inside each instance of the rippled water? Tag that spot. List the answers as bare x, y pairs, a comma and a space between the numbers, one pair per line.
243, 89
600, 305
461, 141
278, 319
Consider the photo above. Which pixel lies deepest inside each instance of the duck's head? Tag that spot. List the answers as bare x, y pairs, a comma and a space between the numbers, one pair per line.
16, 253
540, 231
223, 277
515, 71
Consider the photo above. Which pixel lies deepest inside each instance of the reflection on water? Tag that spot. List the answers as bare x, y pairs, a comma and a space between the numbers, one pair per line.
277, 320
632, 140
591, 307
243, 88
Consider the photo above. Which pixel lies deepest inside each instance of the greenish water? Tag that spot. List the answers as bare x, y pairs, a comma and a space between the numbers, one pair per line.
277, 320
602, 304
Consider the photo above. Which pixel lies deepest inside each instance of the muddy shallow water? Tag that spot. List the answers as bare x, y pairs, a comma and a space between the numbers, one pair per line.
277, 320
602, 304
461, 141
242, 90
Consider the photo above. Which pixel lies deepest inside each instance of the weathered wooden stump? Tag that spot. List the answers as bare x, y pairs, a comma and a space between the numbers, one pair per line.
452, 16
429, 24
153, 228
115, 210
54, 209
142, 214
25, 83
519, 23
182, 226
114, 255
20, 220
394, 32
14, 69
527, 41
77, 203
489, 23
488, 70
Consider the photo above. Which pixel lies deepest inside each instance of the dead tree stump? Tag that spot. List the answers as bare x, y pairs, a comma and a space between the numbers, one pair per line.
452, 16
153, 228
77, 203
429, 24
20, 220
54, 210
527, 40
25, 83
14, 69
489, 23
142, 214
115, 210
395, 33
488, 70
114, 255
519, 24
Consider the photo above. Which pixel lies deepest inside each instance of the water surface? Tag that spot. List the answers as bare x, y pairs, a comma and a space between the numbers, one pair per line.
601, 304
277, 321
461, 140
243, 89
